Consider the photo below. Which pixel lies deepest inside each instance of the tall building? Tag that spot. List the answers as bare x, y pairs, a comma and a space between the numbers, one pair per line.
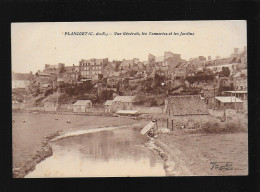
91, 68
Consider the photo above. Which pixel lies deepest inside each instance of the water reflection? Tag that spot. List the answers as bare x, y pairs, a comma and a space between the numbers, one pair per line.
117, 152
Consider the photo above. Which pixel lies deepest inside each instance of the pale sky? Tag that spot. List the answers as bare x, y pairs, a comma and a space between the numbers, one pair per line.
37, 44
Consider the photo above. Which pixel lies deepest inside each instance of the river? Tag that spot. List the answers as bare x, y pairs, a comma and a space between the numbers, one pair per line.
114, 153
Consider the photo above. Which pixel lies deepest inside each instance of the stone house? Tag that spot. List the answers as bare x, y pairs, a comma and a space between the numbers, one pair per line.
109, 69
80, 106
120, 103
51, 106
126, 64
240, 80
71, 74
91, 68
187, 111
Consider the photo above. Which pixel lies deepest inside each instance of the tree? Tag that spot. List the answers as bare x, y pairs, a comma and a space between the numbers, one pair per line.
106, 95
225, 71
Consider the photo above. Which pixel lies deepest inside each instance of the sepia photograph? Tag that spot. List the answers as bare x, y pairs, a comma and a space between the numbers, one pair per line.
129, 99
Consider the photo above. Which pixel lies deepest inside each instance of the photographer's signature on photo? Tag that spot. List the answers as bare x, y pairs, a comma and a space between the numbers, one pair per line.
223, 166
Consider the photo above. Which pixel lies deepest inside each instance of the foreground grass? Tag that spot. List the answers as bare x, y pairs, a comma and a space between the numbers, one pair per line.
196, 151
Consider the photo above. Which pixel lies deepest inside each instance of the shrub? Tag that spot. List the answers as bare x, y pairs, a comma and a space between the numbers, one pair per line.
226, 127
153, 103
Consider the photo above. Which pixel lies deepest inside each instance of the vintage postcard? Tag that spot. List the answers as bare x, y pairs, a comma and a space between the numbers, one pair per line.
129, 99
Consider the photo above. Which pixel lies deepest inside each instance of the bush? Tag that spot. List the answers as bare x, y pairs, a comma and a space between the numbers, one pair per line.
153, 103
226, 127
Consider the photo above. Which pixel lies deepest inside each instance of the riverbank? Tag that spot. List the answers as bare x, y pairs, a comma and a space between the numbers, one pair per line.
189, 154
33, 131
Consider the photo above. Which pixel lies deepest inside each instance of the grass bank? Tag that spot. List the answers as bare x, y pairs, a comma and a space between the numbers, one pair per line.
192, 154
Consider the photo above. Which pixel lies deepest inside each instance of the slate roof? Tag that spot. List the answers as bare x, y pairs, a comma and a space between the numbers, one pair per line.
187, 105
70, 68
229, 99
127, 63
82, 102
124, 98
108, 102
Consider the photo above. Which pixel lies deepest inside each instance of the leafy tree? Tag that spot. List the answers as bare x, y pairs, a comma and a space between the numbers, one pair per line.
153, 103
225, 71
106, 95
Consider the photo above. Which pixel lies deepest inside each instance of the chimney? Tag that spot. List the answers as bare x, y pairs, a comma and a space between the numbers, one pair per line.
209, 58
236, 50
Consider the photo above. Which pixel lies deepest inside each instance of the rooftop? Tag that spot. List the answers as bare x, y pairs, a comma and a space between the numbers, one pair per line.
124, 98
82, 102
127, 63
236, 91
108, 102
229, 99
187, 105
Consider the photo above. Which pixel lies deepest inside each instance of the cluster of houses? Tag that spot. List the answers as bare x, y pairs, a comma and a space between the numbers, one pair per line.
170, 65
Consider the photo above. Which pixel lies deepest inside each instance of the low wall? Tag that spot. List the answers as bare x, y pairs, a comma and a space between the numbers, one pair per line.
148, 110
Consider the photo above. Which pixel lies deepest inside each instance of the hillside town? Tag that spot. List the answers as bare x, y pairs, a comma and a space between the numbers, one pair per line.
133, 86
179, 102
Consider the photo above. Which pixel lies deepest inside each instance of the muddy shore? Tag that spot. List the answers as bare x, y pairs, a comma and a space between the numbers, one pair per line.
184, 154
29, 165
32, 133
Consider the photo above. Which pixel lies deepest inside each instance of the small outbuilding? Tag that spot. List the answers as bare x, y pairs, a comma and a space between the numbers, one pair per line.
80, 106
51, 106
108, 105
229, 102
123, 103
